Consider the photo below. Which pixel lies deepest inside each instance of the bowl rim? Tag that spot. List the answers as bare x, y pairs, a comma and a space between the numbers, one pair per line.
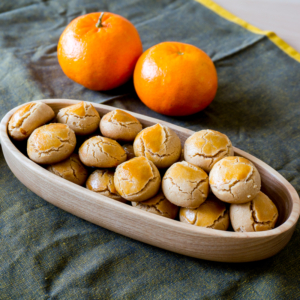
284, 227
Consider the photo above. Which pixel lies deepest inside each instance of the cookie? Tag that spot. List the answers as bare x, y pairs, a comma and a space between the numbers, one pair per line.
185, 185
120, 125
159, 144
27, 118
51, 143
235, 179
137, 179
82, 118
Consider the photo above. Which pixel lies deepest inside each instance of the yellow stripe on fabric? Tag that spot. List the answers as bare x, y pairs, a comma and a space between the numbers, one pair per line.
271, 35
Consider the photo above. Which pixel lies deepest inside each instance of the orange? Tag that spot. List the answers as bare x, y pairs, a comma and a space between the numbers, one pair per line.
175, 79
99, 52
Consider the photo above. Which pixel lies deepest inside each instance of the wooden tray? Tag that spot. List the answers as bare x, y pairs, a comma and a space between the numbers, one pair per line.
149, 228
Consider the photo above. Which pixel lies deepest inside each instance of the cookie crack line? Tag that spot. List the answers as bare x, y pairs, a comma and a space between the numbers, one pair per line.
55, 172
229, 187
68, 114
106, 153
142, 189
210, 156
32, 109
93, 152
222, 216
171, 179
253, 212
67, 140
159, 155
110, 184
84, 126
152, 179
206, 133
48, 151
74, 171
143, 147
153, 206
123, 124
167, 137
107, 143
197, 186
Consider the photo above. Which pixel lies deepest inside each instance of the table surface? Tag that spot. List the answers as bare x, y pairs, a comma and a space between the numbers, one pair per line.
279, 16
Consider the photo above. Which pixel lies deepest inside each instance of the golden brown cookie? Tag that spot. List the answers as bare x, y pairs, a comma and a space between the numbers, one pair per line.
83, 118
120, 125
257, 215
51, 143
129, 151
159, 144
101, 152
234, 179
159, 205
102, 182
185, 185
70, 169
27, 118
210, 214
137, 179
206, 147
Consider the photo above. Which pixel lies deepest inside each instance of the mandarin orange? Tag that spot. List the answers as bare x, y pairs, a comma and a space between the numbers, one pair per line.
99, 50
175, 79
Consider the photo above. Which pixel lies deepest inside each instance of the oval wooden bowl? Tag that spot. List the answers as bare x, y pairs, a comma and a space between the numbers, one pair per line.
205, 243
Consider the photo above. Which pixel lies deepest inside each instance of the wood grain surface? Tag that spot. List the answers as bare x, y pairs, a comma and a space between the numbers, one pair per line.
172, 235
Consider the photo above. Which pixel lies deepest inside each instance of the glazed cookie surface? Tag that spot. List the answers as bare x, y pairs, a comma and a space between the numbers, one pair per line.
210, 214
101, 152
120, 125
27, 118
159, 144
257, 215
159, 205
235, 179
70, 169
137, 179
185, 185
206, 147
102, 182
83, 118
51, 143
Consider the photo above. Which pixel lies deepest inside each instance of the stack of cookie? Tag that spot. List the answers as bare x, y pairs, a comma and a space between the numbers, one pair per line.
203, 184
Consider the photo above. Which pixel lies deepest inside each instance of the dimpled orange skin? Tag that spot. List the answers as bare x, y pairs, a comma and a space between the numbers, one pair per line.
99, 58
175, 79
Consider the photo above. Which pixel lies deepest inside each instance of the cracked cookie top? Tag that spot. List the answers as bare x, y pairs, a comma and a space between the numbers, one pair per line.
235, 179
70, 169
51, 143
185, 185
101, 152
257, 215
83, 118
27, 118
102, 182
120, 125
210, 214
159, 205
137, 179
206, 147
159, 144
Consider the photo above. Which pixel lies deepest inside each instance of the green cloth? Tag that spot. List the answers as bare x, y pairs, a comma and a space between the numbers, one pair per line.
46, 253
